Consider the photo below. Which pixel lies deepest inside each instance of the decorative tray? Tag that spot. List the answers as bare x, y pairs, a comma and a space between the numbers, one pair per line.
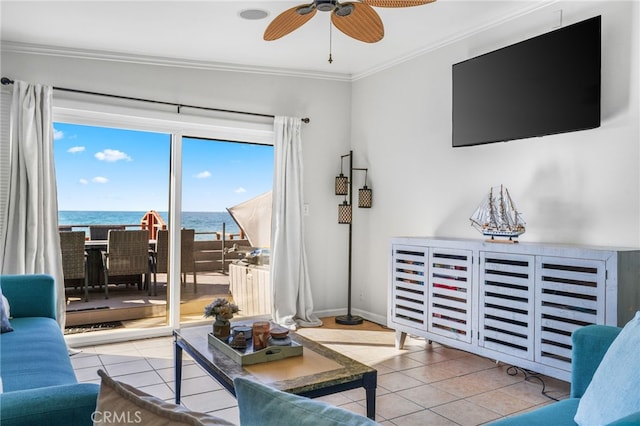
249, 356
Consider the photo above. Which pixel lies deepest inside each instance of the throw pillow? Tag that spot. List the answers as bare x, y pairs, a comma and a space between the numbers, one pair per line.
5, 325
613, 391
262, 405
122, 404
5, 302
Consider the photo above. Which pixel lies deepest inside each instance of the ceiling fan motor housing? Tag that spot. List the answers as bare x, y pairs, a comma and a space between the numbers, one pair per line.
326, 5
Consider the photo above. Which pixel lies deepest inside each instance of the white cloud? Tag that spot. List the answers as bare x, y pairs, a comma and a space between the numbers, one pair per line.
57, 134
240, 190
75, 149
84, 181
112, 155
203, 175
99, 179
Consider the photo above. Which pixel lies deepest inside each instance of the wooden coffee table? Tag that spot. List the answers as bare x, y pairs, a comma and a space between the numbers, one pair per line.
318, 372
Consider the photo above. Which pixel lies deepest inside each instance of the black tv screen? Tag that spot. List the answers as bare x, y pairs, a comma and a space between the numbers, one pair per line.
545, 85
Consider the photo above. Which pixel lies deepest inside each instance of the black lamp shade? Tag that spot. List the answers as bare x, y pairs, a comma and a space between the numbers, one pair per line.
342, 185
365, 197
344, 213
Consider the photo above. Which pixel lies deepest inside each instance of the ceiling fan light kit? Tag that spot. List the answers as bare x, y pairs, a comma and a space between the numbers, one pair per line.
356, 19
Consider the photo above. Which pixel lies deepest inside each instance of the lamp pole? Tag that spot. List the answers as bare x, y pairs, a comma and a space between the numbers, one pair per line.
349, 319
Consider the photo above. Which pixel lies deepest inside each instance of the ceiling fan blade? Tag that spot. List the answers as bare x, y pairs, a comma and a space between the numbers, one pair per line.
363, 23
288, 21
396, 3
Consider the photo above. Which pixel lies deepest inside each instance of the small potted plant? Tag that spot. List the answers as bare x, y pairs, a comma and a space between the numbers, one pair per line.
223, 311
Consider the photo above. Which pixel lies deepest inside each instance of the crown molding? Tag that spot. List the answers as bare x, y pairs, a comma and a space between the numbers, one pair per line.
453, 39
102, 55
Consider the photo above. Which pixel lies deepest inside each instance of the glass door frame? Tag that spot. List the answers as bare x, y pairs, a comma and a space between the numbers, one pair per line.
177, 126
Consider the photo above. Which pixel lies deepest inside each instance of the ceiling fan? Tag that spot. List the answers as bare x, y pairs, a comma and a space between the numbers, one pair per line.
357, 19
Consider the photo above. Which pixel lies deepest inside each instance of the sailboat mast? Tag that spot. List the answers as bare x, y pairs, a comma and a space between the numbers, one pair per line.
504, 217
492, 210
514, 210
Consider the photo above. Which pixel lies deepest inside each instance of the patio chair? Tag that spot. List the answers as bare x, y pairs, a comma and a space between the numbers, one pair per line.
100, 232
127, 254
187, 263
74, 260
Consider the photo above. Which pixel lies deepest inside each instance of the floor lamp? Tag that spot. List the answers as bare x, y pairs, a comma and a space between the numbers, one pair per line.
343, 186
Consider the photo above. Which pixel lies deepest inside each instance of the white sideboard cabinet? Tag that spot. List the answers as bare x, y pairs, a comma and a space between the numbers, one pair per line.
515, 303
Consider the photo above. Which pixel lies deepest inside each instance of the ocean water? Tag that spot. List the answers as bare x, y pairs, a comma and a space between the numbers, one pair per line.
200, 221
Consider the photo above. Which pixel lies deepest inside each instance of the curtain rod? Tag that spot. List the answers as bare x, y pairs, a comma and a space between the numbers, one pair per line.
5, 81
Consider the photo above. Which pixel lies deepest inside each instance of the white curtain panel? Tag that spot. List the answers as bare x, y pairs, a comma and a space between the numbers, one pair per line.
292, 299
31, 244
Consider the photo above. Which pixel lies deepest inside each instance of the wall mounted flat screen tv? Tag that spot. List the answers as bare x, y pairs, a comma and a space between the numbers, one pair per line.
545, 85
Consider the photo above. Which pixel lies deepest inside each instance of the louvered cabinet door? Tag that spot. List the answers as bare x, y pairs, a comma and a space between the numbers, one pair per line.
506, 311
408, 290
450, 293
570, 293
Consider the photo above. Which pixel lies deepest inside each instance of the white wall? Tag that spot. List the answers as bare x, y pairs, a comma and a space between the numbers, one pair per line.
325, 138
580, 187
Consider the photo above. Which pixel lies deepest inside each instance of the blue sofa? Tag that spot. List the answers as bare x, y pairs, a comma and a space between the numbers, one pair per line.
590, 343
39, 384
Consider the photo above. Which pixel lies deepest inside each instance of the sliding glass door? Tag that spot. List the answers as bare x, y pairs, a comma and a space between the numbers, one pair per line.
216, 176
112, 180
126, 172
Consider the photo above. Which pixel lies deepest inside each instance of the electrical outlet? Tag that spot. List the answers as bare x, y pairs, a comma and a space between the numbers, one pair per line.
305, 209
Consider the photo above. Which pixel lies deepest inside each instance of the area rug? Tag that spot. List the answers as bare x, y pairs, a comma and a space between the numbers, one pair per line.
76, 329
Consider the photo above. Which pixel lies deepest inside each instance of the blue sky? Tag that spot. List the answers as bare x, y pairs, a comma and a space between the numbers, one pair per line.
100, 168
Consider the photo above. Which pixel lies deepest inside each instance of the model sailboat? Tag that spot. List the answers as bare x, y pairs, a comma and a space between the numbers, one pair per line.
497, 216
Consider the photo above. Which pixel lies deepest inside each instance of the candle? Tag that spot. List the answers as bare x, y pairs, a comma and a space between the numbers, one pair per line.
260, 335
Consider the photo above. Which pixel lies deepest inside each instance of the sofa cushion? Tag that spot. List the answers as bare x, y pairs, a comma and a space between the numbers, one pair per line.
613, 393
64, 405
557, 414
30, 295
5, 303
5, 325
263, 405
34, 355
120, 403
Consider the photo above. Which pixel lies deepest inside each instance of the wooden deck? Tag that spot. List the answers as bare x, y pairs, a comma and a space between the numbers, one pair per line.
127, 303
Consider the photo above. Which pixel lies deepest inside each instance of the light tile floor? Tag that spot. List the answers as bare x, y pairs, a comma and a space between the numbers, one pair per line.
423, 384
